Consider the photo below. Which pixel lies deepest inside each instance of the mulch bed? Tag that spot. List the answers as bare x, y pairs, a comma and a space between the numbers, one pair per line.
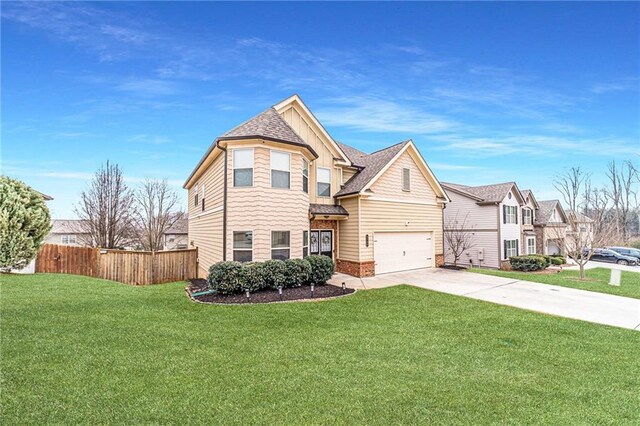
455, 268
266, 296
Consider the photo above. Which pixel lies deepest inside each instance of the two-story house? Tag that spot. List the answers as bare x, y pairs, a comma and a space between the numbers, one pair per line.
551, 224
529, 210
278, 186
492, 215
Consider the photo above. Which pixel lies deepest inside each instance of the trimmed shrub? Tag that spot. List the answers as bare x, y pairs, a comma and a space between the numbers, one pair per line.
227, 277
275, 273
322, 268
528, 263
254, 274
297, 272
558, 260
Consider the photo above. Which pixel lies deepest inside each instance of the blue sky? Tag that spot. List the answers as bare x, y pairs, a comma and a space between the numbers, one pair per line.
489, 92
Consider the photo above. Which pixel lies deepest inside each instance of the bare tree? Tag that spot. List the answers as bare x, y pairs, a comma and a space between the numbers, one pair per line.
105, 209
155, 213
458, 237
623, 192
584, 236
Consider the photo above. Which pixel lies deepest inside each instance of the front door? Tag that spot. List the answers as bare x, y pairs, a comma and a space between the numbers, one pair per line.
322, 242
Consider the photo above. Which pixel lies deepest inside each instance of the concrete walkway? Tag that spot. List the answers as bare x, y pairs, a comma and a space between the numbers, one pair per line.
550, 299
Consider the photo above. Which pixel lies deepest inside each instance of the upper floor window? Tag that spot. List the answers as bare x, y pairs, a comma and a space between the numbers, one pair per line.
527, 217
305, 176
203, 196
195, 195
510, 214
280, 169
324, 182
406, 179
243, 167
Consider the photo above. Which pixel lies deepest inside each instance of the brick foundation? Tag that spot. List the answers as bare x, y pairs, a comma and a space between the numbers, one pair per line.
356, 269
439, 260
505, 265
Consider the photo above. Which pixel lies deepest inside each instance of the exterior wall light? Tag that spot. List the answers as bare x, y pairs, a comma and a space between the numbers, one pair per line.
280, 291
248, 294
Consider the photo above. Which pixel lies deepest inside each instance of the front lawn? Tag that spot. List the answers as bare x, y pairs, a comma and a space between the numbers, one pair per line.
596, 280
82, 350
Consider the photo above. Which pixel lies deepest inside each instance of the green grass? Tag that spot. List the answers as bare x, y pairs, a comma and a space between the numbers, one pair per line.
596, 280
82, 350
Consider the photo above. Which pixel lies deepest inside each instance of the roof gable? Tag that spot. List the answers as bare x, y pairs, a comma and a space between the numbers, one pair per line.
295, 102
377, 163
547, 207
267, 124
487, 194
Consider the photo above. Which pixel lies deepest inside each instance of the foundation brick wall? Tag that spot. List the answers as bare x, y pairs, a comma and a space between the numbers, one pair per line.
439, 260
505, 265
356, 269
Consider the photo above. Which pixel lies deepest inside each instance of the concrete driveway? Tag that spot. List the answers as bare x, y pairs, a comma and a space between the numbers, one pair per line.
561, 301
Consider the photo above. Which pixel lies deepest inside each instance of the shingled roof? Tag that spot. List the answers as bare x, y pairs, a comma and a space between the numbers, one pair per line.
371, 165
487, 193
267, 124
327, 210
543, 214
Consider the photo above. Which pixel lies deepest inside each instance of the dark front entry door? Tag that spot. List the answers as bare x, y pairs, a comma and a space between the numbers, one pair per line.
322, 243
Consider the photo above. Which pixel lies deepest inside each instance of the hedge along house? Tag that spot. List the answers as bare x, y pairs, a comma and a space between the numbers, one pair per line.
491, 215
279, 186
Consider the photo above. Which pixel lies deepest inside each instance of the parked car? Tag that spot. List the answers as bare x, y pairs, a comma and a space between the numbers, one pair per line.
627, 251
606, 255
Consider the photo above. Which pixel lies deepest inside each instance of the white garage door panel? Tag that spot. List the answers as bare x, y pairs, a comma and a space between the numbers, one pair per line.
400, 251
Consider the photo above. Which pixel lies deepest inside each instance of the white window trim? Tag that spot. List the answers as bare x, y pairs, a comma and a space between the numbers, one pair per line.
509, 249
271, 151
278, 248
529, 239
233, 249
318, 181
233, 167
511, 217
305, 162
402, 177
303, 246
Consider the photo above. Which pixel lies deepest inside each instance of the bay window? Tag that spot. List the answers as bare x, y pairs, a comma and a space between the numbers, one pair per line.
280, 169
243, 167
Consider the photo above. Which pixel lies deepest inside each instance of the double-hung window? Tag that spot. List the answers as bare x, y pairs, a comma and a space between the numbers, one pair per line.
324, 182
280, 170
406, 180
531, 246
510, 248
510, 214
305, 244
68, 239
243, 246
243, 167
527, 217
280, 248
305, 176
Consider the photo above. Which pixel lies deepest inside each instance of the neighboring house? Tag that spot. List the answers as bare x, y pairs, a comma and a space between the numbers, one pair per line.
279, 186
550, 227
67, 232
529, 210
492, 214
580, 231
176, 237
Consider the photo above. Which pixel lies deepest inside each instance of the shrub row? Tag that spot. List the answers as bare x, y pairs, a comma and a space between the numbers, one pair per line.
530, 262
236, 277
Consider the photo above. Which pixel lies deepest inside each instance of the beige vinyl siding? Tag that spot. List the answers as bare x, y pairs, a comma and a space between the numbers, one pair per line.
487, 241
348, 231
263, 209
347, 174
381, 216
205, 228
326, 153
390, 183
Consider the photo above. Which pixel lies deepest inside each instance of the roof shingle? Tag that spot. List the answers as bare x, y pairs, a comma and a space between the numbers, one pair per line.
488, 193
267, 124
327, 209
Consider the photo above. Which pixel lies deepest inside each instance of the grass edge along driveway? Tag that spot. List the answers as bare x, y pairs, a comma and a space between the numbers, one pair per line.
83, 350
597, 280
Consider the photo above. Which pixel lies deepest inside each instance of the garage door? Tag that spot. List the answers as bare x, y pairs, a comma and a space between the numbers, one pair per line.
401, 251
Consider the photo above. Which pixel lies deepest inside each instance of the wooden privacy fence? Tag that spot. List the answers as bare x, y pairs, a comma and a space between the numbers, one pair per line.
129, 267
